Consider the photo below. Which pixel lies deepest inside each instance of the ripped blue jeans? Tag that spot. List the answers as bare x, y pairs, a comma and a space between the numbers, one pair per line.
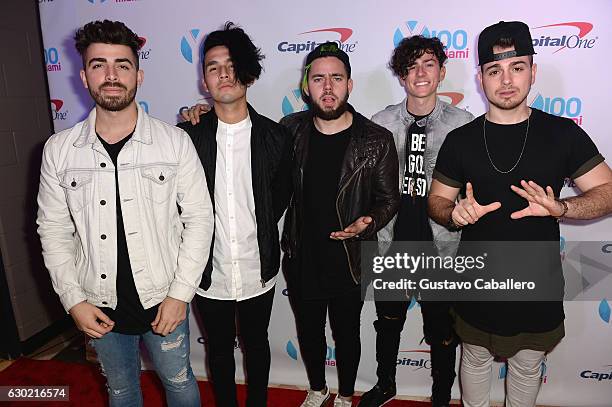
119, 357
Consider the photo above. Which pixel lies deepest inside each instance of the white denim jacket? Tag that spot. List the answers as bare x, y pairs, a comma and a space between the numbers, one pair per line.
77, 223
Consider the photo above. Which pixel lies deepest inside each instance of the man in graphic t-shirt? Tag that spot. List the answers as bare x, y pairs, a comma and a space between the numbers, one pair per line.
419, 124
512, 161
344, 191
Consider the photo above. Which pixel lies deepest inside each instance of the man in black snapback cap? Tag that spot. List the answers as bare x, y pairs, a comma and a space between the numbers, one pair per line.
512, 162
345, 178
490, 36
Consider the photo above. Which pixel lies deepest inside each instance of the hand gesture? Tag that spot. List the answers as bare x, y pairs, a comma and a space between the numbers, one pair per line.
352, 230
468, 211
541, 202
170, 313
91, 320
193, 113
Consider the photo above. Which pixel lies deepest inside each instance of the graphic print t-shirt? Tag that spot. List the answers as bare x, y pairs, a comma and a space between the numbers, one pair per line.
412, 223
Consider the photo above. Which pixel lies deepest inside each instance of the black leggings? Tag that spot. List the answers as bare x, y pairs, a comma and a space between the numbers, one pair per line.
219, 320
344, 318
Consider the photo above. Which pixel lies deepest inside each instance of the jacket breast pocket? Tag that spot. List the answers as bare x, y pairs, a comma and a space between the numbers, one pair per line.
158, 182
78, 188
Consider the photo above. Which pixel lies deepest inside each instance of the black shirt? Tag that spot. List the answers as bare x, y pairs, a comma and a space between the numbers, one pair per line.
556, 148
412, 223
325, 270
129, 316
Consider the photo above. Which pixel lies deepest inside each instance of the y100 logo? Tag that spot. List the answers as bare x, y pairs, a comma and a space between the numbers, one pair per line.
293, 102
189, 45
52, 60
455, 41
330, 356
566, 107
144, 105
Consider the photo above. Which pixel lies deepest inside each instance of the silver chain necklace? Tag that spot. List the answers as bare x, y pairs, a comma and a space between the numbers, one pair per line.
484, 135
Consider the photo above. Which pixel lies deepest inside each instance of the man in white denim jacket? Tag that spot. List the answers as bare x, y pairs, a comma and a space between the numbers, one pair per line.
123, 258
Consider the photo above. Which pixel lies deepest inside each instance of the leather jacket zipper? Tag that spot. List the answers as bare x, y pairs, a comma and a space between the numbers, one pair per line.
348, 257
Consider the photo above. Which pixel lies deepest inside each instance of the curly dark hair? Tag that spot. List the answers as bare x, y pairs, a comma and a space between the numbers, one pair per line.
412, 48
106, 32
245, 55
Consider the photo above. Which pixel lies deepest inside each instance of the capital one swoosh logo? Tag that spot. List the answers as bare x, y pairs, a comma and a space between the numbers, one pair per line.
583, 29
143, 41
345, 33
57, 104
455, 97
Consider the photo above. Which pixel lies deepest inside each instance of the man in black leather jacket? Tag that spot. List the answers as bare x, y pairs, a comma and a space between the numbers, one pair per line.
246, 160
345, 177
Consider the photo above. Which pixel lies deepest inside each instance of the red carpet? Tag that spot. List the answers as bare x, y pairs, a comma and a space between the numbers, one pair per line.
87, 386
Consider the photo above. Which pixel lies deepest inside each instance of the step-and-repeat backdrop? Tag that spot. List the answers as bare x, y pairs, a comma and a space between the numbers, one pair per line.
573, 45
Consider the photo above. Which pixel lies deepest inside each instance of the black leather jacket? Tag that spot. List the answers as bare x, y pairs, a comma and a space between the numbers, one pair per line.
271, 149
368, 183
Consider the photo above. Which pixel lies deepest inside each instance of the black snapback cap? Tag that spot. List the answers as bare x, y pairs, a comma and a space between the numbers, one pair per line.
515, 30
326, 49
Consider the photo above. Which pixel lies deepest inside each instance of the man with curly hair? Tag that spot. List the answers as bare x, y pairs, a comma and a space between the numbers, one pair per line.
419, 124
246, 158
125, 221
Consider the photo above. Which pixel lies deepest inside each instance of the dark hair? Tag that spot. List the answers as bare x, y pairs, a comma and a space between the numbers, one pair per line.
506, 42
106, 32
412, 48
245, 55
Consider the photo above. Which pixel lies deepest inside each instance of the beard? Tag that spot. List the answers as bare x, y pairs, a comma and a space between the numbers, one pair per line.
508, 104
330, 114
113, 103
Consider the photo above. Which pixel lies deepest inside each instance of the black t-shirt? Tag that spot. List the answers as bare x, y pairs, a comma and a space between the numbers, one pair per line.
556, 148
129, 316
412, 223
324, 265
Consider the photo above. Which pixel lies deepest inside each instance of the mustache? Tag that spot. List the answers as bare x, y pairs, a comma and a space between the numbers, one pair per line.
113, 85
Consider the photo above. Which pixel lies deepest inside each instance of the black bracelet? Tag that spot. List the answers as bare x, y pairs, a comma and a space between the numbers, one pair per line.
452, 226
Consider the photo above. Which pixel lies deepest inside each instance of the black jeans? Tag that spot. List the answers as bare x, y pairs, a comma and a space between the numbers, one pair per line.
437, 328
344, 318
219, 320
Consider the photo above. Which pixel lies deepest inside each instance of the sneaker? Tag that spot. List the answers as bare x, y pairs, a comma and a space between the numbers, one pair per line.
377, 396
340, 402
316, 398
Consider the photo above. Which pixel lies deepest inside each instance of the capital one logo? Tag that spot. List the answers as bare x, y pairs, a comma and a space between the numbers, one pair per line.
143, 53
454, 98
417, 363
455, 41
341, 33
562, 36
293, 102
56, 110
189, 45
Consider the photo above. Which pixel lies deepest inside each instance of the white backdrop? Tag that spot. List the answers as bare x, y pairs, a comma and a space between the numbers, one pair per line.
572, 81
